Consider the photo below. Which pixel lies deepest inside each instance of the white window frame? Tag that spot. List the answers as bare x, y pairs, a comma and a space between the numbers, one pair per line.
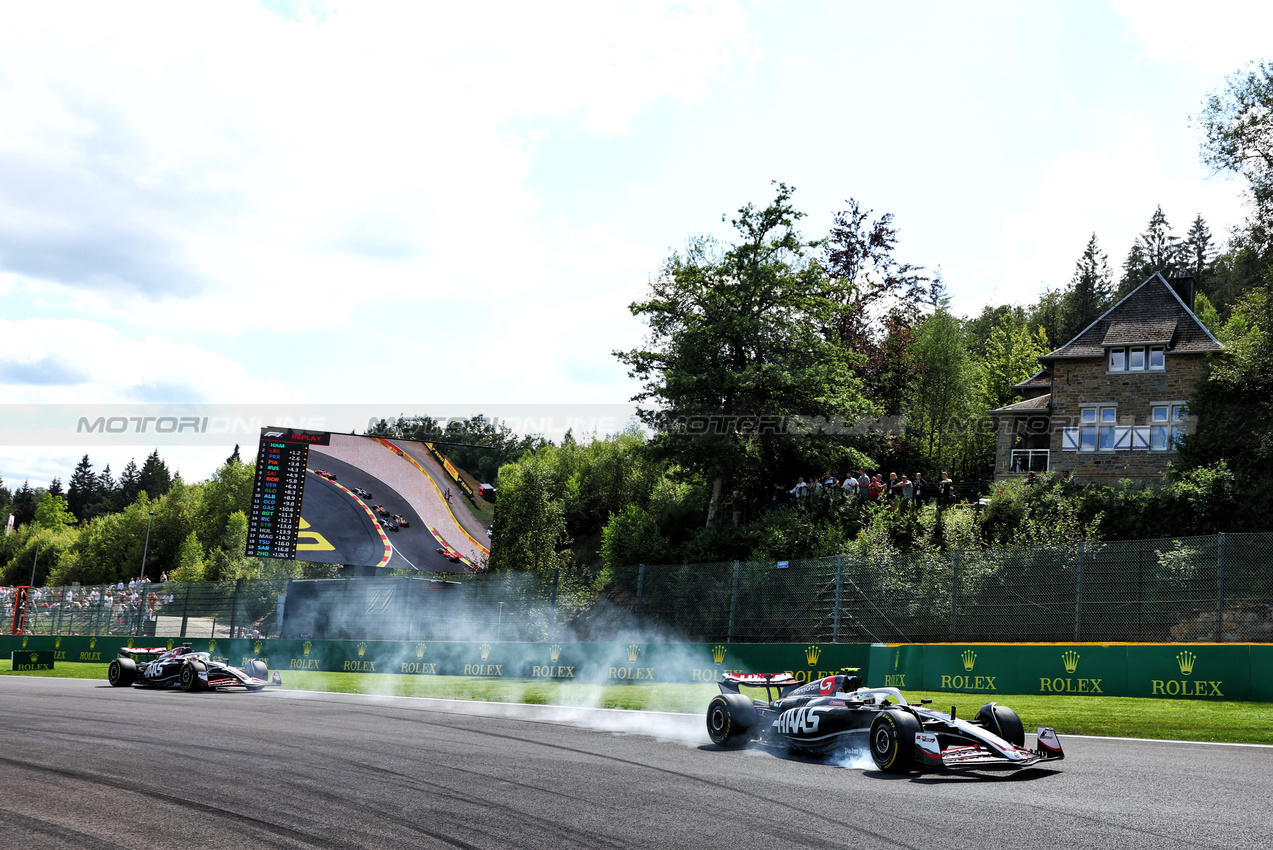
1161, 351
1121, 353
1098, 431
1166, 424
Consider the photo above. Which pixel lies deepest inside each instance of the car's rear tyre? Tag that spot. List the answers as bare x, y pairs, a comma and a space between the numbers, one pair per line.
730, 720
190, 676
122, 672
1003, 721
893, 741
256, 669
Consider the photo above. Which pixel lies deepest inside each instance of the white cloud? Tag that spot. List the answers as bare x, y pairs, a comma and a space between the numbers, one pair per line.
76, 360
1218, 39
1086, 192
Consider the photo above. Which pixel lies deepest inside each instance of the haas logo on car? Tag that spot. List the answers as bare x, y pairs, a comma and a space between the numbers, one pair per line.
799, 721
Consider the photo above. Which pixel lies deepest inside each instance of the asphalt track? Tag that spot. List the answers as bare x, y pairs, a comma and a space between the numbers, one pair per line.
87, 766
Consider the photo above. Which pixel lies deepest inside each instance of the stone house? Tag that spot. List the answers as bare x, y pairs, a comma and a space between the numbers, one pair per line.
1109, 404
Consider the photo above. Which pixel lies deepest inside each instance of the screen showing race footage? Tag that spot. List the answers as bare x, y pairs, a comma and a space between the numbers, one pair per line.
360, 501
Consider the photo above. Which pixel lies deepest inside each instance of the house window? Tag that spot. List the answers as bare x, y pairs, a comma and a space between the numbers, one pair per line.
1166, 425
1137, 359
1098, 430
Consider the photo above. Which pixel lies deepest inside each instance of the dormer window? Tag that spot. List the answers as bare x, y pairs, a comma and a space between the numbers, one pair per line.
1138, 358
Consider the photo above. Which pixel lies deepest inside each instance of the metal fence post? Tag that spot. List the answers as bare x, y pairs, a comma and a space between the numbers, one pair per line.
733, 605
839, 598
954, 593
640, 586
1220, 589
234, 605
1078, 594
185, 610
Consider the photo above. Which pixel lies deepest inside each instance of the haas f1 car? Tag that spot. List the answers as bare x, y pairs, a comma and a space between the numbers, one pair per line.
837, 714
180, 667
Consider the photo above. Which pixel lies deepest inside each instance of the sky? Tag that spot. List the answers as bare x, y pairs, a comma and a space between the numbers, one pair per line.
325, 209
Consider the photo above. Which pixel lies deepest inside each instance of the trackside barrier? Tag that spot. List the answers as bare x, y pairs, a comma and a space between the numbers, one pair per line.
1175, 671
1170, 671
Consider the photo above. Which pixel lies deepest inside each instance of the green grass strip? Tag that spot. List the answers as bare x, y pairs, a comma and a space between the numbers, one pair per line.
1119, 717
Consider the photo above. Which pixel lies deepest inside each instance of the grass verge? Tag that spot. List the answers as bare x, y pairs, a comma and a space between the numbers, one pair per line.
1120, 717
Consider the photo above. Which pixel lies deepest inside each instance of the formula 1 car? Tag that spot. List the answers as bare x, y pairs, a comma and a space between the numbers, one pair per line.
402, 521
837, 714
183, 668
358, 491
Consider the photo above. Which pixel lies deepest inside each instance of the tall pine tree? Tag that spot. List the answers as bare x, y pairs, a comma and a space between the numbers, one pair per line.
82, 490
1089, 292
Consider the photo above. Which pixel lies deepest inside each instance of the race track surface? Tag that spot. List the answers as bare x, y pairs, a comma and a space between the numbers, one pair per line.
88, 766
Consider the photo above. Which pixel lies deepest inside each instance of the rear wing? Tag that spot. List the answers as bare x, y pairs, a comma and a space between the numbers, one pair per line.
731, 682
137, 652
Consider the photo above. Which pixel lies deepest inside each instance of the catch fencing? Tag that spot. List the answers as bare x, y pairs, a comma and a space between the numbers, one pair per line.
1198, 589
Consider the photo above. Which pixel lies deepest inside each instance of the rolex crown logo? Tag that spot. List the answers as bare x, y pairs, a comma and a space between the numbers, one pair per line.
212, 646
486, 651
92, 643
419, 651
35, 657
256, 647
634, 652
362, 649
1186, 660
554, 651
970, 658
24, 642
811, 654
1070, 659
306, 647
57, 643
170, 643
897, 658
718, 653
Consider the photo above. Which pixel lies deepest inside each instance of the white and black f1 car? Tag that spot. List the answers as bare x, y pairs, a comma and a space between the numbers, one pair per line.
837, 714
183, 668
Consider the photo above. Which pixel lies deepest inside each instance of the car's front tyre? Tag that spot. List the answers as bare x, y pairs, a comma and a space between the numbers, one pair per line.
730, 720
1003, 721
893, 741
122, 672
190, 676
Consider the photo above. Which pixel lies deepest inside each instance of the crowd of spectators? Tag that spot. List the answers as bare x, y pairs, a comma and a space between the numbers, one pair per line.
117, 606
898, 490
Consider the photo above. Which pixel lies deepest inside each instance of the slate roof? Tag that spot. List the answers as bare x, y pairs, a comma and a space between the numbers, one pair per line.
1152, 314
1041, 378
1043, 402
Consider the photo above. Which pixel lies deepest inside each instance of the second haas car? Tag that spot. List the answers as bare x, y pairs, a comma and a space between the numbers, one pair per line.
183, 668
837, 714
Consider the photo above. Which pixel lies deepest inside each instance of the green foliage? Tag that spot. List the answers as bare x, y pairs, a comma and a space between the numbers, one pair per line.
53, 513
740, 351
530, 519
945, 387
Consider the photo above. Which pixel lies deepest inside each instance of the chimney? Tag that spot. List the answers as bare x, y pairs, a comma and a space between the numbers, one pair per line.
1184, 287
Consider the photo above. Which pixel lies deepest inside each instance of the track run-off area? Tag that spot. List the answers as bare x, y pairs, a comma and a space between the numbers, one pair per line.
88, 766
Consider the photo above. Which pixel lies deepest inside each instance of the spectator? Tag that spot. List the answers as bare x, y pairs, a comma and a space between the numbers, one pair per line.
850, 486
876, 488
893, 488
920, 486
908, 491
1030, 480
946, 488
800, 490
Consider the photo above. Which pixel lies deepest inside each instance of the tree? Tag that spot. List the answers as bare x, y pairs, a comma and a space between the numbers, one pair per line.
1089, 292
944, 381
1196, 254
745, 346
1154, 251
1012, 355
154, 477
129, 484
1237, 126
234, 455
82, 488
53, 513
55, 487
879, 300
530, 522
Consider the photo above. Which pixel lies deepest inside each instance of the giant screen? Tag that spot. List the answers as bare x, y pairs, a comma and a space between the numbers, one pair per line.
356, 500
